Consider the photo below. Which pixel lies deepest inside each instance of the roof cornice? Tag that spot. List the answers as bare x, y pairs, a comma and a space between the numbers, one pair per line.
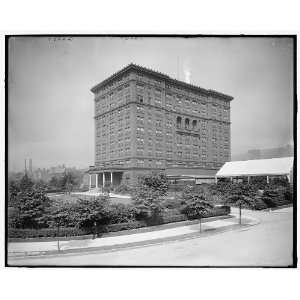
160, 75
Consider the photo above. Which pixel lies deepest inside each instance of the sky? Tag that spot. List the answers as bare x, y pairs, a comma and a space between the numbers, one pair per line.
51, 107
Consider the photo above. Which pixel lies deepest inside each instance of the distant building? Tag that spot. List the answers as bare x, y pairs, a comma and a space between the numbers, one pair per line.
145, 121
266, 153
285, 151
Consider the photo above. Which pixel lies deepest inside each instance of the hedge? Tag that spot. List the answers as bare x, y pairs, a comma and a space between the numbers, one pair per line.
167, 217
16, 233
46, 232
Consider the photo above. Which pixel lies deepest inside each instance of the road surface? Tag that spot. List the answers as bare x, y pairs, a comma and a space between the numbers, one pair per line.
269, 243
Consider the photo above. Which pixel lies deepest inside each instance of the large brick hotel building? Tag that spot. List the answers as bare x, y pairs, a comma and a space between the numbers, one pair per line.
146, 120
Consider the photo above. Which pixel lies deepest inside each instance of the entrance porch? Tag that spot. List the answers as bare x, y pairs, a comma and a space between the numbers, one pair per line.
100, 180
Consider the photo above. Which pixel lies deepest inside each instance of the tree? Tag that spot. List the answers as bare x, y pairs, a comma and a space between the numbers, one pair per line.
93, 210
41, 185
59, 214
238, 199
54, 182
148, 203
68, 181
13, 190
147, 196
195, 206
155, 181
32, 206
26, 183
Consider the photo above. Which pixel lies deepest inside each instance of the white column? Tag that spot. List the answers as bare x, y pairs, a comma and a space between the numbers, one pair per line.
111, 178
216, 179
103, 179
90, 181
96, 181
230, 179
288, 178
248, 179
267, 179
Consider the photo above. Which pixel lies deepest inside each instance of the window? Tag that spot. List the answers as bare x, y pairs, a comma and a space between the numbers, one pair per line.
140, 109
140, 98
194, 125
178, 122
159, 163
158, 123
187, 123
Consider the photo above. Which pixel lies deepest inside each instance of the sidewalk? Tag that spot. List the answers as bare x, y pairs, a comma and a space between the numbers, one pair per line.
110, 243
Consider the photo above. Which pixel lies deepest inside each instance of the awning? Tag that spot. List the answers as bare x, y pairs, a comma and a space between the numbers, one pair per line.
258, 167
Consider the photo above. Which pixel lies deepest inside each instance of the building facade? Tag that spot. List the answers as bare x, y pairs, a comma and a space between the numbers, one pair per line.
146, 120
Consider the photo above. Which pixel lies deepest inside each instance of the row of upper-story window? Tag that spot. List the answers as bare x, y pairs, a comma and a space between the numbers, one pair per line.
216, 112
145, 83
203, 109
121, 133
112, 100
119, 82
189, 124
221, 157
179, 96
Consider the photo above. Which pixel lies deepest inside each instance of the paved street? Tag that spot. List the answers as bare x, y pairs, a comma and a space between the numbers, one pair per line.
268, 243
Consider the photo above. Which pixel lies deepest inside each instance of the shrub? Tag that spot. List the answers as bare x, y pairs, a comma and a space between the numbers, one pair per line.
121, 213
87, 212
125, 226
147, 202
258, 203
156, 181
174, 218
30, 208
123, 189
195, 205
46, 232
171, 203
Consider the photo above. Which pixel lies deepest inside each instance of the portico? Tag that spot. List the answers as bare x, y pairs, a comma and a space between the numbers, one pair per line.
98, 180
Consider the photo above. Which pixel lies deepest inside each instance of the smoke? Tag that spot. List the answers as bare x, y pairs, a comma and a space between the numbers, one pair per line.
187, 76
187, 72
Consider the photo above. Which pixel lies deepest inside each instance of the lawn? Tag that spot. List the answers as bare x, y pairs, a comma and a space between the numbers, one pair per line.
74, 198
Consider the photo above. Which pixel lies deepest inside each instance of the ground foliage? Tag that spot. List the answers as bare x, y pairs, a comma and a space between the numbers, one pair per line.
29, 207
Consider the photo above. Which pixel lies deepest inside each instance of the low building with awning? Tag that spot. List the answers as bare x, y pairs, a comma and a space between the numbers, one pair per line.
193, 175
270, 168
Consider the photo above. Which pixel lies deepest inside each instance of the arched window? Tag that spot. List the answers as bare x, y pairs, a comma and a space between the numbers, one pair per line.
187, 123
178, 122
194, 125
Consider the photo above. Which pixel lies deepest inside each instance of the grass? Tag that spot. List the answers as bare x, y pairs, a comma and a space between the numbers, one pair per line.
74, 198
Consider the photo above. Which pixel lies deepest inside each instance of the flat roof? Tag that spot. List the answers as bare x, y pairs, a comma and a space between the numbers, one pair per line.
272, 166
148, 71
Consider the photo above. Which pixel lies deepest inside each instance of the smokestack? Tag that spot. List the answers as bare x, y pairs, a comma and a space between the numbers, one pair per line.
25, 167
30, 166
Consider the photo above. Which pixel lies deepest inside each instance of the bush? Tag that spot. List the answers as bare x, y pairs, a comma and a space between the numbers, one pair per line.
122, 189
125, 226
156, 181
167, 217
258, 203
148, 202
171, 203
121, 213
46, 232
174, 218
